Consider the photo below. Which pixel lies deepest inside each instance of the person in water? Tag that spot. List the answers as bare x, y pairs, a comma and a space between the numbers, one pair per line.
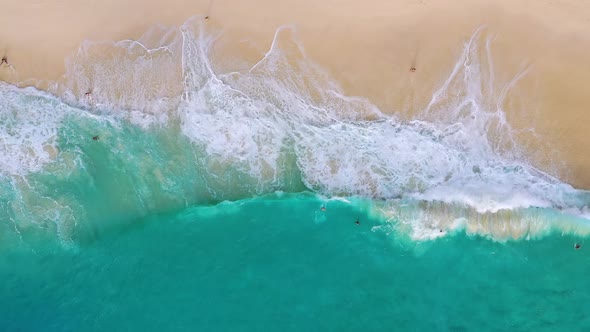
358, 222
577, 246
323, 208
96, 138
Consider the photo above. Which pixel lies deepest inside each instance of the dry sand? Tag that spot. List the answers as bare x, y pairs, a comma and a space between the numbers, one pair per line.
367, 46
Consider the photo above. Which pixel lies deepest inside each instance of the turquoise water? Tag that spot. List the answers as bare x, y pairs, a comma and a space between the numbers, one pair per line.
182, 196
280, 263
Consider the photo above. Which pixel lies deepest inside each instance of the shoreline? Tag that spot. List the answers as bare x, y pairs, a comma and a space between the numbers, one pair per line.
367, 48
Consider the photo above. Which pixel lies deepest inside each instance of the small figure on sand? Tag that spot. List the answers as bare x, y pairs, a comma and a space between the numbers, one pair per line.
5, 61
207, 17
577, 246
88, 96
358, 222
96, 138
413, 69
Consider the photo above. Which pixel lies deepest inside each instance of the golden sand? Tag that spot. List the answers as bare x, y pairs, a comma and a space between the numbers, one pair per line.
367, 46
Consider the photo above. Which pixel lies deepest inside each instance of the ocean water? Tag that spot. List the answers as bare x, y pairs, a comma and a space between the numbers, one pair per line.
155, 189
279, 262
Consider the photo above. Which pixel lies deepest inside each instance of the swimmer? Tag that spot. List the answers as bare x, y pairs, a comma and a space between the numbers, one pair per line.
323, 208
357, 222
96, 138
577, 246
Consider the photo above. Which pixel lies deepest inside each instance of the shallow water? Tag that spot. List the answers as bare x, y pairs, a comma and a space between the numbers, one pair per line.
280, 263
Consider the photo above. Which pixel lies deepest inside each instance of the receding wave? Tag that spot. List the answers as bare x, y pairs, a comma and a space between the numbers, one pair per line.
157, 124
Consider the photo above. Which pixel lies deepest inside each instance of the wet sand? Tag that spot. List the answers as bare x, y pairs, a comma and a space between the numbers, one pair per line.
368, 47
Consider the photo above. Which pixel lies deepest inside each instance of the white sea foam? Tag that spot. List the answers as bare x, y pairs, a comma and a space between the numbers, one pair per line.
460, 150
29, 121
138, 80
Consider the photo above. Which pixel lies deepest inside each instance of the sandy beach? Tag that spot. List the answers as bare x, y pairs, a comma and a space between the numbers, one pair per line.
368, 47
